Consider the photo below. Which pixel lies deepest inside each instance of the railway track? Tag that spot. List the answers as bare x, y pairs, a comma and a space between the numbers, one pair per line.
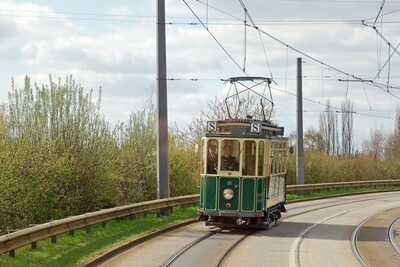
224, 244
235, 243
174, 257
231, 248
373, 241
392, 235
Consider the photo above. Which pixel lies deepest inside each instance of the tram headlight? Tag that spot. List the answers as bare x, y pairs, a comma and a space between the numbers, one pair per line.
228, 194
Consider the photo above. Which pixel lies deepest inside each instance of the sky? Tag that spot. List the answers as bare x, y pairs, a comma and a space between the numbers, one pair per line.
112, 45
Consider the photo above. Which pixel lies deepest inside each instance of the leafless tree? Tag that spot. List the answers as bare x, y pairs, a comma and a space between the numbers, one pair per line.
376, 144
397, 122
347, 127
313, 140
392, 147
328, 124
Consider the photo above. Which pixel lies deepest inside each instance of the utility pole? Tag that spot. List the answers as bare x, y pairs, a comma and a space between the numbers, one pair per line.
300, 143
162, 110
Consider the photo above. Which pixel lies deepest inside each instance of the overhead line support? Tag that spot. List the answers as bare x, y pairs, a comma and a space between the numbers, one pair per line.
162, 108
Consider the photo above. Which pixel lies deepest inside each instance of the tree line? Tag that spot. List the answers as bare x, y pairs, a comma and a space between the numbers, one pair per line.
331, 154
60, 157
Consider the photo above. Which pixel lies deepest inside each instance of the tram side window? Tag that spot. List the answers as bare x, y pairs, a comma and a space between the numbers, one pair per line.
212, 156
249, 159
230, 155
261, 152
273, 166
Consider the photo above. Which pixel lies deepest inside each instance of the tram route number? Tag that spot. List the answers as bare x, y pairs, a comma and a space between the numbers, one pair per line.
255, 127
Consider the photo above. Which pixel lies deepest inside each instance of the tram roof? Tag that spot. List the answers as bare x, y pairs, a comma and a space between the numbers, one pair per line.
244, 128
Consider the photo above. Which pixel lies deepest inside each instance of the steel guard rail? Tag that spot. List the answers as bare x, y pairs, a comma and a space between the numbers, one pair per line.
317, 187
12, 241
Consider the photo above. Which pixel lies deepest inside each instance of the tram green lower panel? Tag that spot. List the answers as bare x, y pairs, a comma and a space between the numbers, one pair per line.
231, 183
260, 194
202, 191
211, 192
248, 194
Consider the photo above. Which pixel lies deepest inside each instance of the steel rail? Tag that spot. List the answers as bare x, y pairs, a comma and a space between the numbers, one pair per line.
232, 247
392, 235
182, 251
10, 242
324, 206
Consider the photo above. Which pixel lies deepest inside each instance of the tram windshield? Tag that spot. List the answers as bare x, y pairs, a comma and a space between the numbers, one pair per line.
212, 156
230, 155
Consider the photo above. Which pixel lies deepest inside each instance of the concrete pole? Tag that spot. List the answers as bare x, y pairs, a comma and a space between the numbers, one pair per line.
300, 143
162, 110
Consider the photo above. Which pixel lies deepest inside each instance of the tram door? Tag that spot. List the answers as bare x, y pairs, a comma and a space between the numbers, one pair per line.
276, 160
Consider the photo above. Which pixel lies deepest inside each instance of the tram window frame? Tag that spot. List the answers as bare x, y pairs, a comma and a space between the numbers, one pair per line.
215, 158
236, 153
260, 158
249, 163
285, 154
268, 158
203, 156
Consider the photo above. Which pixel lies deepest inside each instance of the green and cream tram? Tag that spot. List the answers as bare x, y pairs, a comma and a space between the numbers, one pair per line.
243, 176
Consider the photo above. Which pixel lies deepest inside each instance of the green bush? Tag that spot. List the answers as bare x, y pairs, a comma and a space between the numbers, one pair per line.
60, 157
322, 168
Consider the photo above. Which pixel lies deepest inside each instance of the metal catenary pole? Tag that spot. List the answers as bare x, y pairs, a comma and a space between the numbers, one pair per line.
300, 143
162, 110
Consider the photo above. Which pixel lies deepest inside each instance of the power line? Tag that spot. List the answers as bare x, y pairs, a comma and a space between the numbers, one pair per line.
387, 61
174, 20
379, 12
328, 107
331, 108
259, 36
213, 36
308, 55
381, 36
304, 22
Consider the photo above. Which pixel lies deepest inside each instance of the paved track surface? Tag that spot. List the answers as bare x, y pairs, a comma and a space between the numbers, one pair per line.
314, 233
373, 242
396, 235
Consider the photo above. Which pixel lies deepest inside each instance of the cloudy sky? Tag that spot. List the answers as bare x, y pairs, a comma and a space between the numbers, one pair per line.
112, 44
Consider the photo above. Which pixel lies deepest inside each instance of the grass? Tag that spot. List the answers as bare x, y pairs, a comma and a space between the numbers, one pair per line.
338, 192
72, 250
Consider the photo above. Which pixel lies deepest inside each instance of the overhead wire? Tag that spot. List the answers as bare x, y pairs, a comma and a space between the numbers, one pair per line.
388, 73
285, 91
171, 20
214, 37
379, 12
331, 67
331, 108
259, 36
386, 62
245, 40
366, 96
306, 54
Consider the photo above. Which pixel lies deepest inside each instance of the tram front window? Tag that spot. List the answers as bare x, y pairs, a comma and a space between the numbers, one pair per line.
230, 155
249, 160
212, 156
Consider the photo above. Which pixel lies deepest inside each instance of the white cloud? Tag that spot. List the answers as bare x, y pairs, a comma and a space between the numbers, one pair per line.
121, 11
120, 57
